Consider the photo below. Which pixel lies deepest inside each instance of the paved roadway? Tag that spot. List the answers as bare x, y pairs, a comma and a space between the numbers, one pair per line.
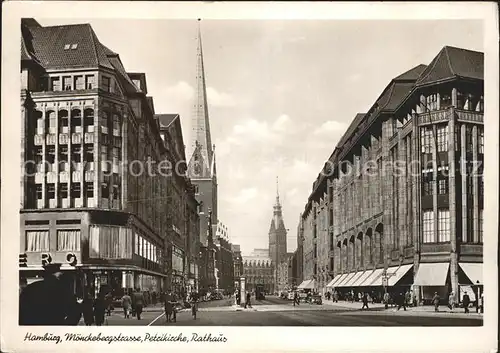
277, 312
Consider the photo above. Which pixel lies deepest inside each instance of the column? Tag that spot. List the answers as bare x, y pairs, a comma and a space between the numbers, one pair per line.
463, 172
416, 208
44, 159
97, 153
402, 225
452, 202
434, 185
387, 190
475, 186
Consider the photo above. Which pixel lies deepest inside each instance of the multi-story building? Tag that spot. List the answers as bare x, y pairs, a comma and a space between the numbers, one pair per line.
202, 172
298, 255
277, 236
182, 217
259, 270
404, 186
285, 277
224, 259
92, 197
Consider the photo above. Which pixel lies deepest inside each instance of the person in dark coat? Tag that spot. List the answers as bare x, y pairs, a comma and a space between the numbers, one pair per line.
364, 298
88, 309
401, 301
248, 303
49, 302
435, 301
170, 307
466, 302
109, 303
100, 308
138, 302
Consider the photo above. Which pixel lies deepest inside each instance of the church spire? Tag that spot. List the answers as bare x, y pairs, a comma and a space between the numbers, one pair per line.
277, 192
201, 124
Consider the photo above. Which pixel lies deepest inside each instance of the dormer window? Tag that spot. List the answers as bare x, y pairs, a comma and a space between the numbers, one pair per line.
67, 46
74, 46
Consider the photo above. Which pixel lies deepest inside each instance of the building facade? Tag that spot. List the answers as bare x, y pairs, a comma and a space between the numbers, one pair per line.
224, 259
259, 270
237, 265
404, 186
87, 125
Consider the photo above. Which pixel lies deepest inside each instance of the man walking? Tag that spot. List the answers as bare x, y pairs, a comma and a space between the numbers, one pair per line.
247, 303
126, 304
451, 301
138, 302
401, 299
466, 302
435, 301
365, 301
386, 300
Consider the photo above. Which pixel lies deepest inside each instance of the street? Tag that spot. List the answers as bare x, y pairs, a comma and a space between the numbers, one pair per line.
277, 312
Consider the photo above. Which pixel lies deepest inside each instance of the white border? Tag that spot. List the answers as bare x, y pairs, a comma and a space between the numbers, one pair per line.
450, 339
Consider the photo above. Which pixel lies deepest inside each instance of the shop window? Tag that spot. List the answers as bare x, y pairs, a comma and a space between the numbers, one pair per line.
37, 240
68, 240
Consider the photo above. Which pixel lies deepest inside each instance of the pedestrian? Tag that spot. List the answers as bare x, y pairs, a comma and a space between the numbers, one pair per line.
109, 303
466, 302
336, 297
386, 300
99, 308
295, 298
248, 303
88, 309
138, 302
451, 301
169, 306
126, 304
364, 298
360, 296
401, 299
408, 298
435, 301
49, 302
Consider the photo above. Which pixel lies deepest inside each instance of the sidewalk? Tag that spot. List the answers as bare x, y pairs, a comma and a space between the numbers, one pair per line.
424, 310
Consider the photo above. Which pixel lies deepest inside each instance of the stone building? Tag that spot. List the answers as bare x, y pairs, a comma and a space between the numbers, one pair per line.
88, 127
237, 265
403, 198
224, 259
259, 270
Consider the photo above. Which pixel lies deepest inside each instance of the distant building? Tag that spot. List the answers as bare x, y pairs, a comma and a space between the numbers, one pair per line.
277, 236
237, 265
224, 259
259, 270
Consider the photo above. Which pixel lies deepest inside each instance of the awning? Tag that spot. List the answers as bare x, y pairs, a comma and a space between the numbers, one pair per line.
432, 274
332, 282
342, 280
474, 271
361, 279
350, 282
347, 279
310, 285
373, 280
398, 274
470, 292
303, 284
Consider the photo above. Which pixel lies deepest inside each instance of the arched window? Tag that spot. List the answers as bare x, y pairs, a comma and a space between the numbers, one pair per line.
63, 121
76, 120
50, 119
88, 119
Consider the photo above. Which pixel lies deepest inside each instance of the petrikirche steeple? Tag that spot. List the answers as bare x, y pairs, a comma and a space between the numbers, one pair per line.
202, 162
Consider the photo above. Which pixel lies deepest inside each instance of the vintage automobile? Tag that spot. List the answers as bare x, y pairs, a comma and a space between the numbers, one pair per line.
316, 299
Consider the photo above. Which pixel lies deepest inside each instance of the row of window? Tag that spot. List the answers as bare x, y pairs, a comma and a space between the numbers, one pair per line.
441, 139
147, 249
39, 240
106, 242
69, 83
49, 124
443, 232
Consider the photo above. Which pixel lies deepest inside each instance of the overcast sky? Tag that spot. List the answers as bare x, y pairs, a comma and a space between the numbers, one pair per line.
281, 93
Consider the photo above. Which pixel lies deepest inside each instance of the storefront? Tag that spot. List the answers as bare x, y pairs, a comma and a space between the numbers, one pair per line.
433, 278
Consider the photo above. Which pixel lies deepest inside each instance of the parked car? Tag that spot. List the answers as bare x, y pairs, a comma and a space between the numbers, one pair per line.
316, 299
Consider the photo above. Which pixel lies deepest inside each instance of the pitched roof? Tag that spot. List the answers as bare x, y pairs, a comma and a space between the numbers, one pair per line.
453, 62
166, 119
411, 74
49, 47
355, 122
